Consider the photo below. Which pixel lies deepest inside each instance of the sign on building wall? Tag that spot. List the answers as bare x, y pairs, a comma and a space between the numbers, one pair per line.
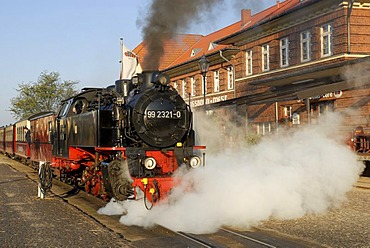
209, 100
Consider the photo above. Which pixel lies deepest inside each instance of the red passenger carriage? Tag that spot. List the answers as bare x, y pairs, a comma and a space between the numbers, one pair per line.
42, 135
2, 140
9, 140
21, 146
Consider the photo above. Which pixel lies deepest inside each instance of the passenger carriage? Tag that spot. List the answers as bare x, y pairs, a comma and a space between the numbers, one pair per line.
9, 140
21, 147
42, 137
2, 140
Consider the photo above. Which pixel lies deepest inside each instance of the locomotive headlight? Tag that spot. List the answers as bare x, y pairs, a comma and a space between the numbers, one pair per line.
150, 163
194, 162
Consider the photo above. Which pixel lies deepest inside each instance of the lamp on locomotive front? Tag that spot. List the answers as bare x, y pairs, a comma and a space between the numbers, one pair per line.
203, 67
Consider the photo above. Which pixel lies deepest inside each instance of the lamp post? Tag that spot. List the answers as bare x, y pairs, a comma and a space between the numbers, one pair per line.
203, 67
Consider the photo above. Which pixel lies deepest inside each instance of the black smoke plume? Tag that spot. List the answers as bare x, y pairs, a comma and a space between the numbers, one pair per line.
167, 17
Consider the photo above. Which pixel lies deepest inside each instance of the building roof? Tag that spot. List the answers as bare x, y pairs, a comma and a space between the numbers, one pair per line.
187, 47
267, 15
173, 49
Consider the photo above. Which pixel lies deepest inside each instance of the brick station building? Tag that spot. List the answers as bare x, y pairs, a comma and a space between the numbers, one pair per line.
287, 64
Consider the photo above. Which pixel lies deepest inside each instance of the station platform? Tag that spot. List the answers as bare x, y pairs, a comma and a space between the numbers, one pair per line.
28, 221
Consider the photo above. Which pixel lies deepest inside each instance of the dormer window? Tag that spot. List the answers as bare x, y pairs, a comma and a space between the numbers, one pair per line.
212, 46
195, 51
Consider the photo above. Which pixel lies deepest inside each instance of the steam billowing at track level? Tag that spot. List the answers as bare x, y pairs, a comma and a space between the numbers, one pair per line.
285, 176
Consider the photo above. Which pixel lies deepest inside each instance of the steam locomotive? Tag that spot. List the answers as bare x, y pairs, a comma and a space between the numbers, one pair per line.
124, 141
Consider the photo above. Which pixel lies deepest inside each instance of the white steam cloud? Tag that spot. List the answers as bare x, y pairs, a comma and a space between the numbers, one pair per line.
284, 176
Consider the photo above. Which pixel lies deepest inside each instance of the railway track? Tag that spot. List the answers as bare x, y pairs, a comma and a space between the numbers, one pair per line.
162, 237
243, 240
228, 237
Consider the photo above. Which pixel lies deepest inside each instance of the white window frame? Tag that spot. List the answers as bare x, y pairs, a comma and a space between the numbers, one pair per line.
183, 88
230, 77
326, 32
305, 46
284, 52
287, 112
265, 57
175, 85
216, 81
264, 128
248, 62
193, 86
204, 84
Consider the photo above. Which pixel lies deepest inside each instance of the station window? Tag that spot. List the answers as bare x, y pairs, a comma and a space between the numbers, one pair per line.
216, 81
321, 108
305, 46
287, 112
264, 128
284, 52
204, 84
265, 58
193, 86
326, 40
249, 62
183, 88
175, 86
230, 78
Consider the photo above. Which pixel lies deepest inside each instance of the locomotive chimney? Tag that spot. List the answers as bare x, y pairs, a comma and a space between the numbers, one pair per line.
148, 79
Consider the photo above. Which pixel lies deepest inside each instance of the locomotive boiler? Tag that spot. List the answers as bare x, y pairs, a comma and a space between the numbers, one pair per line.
125, 141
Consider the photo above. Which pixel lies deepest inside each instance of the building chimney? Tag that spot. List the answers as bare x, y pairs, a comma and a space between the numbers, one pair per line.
245, 16
278, 3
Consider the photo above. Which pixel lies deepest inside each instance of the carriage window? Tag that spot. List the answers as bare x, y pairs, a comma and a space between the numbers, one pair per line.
77, 107
80, 104
64, 109
50, 130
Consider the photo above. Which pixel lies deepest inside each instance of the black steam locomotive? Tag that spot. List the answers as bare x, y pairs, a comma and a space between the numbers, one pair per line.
125, 141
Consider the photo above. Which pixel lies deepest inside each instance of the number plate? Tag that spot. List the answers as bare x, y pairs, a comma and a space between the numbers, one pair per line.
163, 114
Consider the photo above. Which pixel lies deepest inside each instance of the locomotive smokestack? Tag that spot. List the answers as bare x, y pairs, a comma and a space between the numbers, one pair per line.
147, 80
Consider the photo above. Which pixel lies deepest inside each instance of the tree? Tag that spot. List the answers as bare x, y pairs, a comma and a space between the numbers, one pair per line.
44, 95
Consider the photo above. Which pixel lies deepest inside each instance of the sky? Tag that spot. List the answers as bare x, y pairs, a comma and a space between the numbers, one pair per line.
79, 39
